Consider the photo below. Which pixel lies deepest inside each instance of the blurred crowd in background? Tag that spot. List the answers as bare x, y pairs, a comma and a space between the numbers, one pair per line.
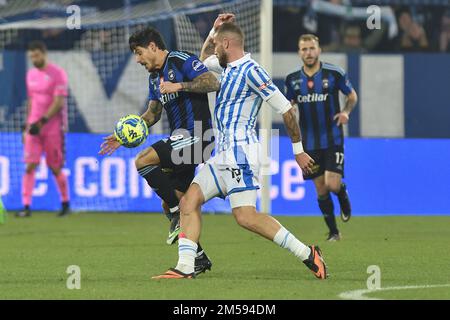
415, 25
420, 28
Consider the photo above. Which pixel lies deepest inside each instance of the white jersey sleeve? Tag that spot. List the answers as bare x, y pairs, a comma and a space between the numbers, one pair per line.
261, 83
279, 103
212, 63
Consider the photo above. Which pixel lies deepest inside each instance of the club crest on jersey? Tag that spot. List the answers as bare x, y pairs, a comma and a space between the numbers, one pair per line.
265, 85
197, 65
171, 74
325, 83
310, 84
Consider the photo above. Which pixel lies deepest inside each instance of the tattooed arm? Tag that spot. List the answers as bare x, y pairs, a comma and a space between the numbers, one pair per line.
303, 159
206, 82
291, 124
282, 106
153, 112
207, 49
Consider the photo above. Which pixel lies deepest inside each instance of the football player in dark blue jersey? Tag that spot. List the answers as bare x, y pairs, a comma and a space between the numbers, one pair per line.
169, 165
315, 90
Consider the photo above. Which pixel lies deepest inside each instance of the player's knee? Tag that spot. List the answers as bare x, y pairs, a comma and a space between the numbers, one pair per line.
139, 162
146, 157
188, 204
322, 190
333, 186
244, 218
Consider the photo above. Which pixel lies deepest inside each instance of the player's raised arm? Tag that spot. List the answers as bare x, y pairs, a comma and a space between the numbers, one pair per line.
208, 45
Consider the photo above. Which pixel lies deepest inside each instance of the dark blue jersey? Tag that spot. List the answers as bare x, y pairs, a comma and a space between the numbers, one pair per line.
317, 98
183, 108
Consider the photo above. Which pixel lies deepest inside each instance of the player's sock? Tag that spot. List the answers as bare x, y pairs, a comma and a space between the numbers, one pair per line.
65, 205
27, 188
342, 194
327, 207
63, 187
160, 183
187, 252
287, 240
199, 250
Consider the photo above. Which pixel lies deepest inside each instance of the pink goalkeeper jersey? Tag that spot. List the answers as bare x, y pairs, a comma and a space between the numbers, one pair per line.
43, 85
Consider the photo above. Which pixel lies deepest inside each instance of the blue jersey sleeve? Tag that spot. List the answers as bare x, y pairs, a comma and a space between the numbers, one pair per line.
288, 90
344, 84
152, 93
193, 67
260, 82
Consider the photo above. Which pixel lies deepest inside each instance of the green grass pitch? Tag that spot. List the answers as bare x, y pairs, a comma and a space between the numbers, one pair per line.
118, 254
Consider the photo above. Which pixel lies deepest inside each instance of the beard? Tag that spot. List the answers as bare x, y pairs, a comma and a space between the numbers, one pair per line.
310, 64
223, 59
39, 64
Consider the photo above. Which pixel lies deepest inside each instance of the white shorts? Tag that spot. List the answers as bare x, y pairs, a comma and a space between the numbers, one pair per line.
233, 172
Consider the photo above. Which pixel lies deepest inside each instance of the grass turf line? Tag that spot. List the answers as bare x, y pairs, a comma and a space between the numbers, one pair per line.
118, 254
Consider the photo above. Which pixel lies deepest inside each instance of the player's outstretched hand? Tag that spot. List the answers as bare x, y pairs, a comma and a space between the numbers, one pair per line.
305, 162
222, 18
109, 145
342, 118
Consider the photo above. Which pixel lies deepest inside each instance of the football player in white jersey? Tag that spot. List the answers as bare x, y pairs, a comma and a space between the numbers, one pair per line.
234, 169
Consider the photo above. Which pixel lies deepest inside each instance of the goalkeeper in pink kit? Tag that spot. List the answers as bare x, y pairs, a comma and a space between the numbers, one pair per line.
45, 125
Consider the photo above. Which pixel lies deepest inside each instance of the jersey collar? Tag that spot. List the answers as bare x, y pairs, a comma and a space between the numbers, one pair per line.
318, 70
240, 61
161, 71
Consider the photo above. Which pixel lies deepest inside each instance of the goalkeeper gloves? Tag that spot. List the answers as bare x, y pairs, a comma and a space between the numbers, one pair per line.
36, 126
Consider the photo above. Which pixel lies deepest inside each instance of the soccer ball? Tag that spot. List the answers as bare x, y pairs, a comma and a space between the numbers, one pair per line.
131, 131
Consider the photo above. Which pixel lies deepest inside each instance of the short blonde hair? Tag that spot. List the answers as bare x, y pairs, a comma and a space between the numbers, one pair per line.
309, 37
230, 27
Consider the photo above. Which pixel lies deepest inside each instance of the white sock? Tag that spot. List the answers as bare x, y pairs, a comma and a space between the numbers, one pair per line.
187, 252
286, 240
174, 209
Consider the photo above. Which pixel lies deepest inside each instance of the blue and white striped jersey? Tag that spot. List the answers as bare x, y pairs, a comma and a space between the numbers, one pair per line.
243, 87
